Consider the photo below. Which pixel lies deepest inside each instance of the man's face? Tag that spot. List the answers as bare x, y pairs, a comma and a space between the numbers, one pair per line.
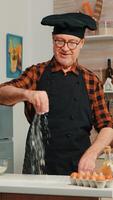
66, 49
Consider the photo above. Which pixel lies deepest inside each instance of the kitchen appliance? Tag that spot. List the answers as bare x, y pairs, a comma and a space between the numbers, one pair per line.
6, 136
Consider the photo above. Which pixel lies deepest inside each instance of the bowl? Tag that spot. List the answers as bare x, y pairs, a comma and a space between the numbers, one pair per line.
3, 165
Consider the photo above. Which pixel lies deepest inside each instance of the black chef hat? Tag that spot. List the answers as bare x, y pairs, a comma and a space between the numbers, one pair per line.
70, 23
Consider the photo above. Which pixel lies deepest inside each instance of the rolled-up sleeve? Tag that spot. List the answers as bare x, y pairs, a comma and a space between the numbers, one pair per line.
102, 117
27, 80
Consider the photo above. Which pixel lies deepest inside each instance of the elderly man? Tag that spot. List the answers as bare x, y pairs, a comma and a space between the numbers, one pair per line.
71, 95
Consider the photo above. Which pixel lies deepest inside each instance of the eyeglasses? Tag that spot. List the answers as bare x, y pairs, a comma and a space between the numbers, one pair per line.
71, 45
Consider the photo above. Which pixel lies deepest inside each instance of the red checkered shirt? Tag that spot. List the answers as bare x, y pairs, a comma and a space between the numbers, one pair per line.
30, 77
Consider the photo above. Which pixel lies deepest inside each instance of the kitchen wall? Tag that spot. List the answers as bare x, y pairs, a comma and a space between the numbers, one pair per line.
22, 17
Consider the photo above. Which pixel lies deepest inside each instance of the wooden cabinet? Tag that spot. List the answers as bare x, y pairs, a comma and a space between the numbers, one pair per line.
8, 196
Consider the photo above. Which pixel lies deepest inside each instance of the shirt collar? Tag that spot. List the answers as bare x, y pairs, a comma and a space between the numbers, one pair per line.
57, 67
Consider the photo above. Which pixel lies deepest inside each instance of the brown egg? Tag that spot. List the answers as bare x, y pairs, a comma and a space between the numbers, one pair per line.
81, 174
87, 175
100, 177
93, 176
109, 177
74, 175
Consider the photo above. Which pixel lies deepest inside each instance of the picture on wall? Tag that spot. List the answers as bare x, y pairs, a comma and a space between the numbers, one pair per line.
14, 45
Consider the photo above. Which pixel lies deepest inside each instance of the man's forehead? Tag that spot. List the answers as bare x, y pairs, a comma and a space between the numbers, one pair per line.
65, 36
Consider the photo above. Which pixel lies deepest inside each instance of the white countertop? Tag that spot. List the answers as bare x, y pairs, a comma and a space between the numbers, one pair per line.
48, 185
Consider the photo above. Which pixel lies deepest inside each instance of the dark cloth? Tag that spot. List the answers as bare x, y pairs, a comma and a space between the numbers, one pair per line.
37, 139
70, 23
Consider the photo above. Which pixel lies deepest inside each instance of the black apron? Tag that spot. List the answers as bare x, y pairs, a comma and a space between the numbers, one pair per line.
69, 120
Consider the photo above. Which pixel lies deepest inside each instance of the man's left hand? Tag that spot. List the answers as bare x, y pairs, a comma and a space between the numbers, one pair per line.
87, 162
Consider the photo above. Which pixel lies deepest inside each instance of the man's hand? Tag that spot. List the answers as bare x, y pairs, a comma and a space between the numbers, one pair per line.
40, 101
87, 162
10, 95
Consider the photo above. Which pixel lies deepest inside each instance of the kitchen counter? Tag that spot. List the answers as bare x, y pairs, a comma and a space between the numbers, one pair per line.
47, 185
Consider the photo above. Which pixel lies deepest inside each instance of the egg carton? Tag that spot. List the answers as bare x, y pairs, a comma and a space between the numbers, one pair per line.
92, 183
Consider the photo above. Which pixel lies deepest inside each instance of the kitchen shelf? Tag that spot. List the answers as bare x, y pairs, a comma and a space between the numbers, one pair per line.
108, 92
99, 37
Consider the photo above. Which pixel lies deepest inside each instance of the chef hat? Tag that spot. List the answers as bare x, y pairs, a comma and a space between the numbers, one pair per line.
70, 23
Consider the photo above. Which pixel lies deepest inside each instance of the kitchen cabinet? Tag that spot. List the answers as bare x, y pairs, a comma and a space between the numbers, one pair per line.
41, 197
6, 135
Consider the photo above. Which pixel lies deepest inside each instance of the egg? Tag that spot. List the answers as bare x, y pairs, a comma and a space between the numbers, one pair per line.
87, 175
100, 177
94, 175
74, 175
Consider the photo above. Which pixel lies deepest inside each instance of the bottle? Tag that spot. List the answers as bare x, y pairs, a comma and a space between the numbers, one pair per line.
109, 70
108, 86
107, 166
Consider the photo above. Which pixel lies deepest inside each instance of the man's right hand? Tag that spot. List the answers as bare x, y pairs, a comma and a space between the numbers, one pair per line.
10, 95
39, 99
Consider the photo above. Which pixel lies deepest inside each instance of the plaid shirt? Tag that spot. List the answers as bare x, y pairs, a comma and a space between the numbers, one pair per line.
29, 80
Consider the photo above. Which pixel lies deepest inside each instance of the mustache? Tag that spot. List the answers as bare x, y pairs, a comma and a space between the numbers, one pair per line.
64, 52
